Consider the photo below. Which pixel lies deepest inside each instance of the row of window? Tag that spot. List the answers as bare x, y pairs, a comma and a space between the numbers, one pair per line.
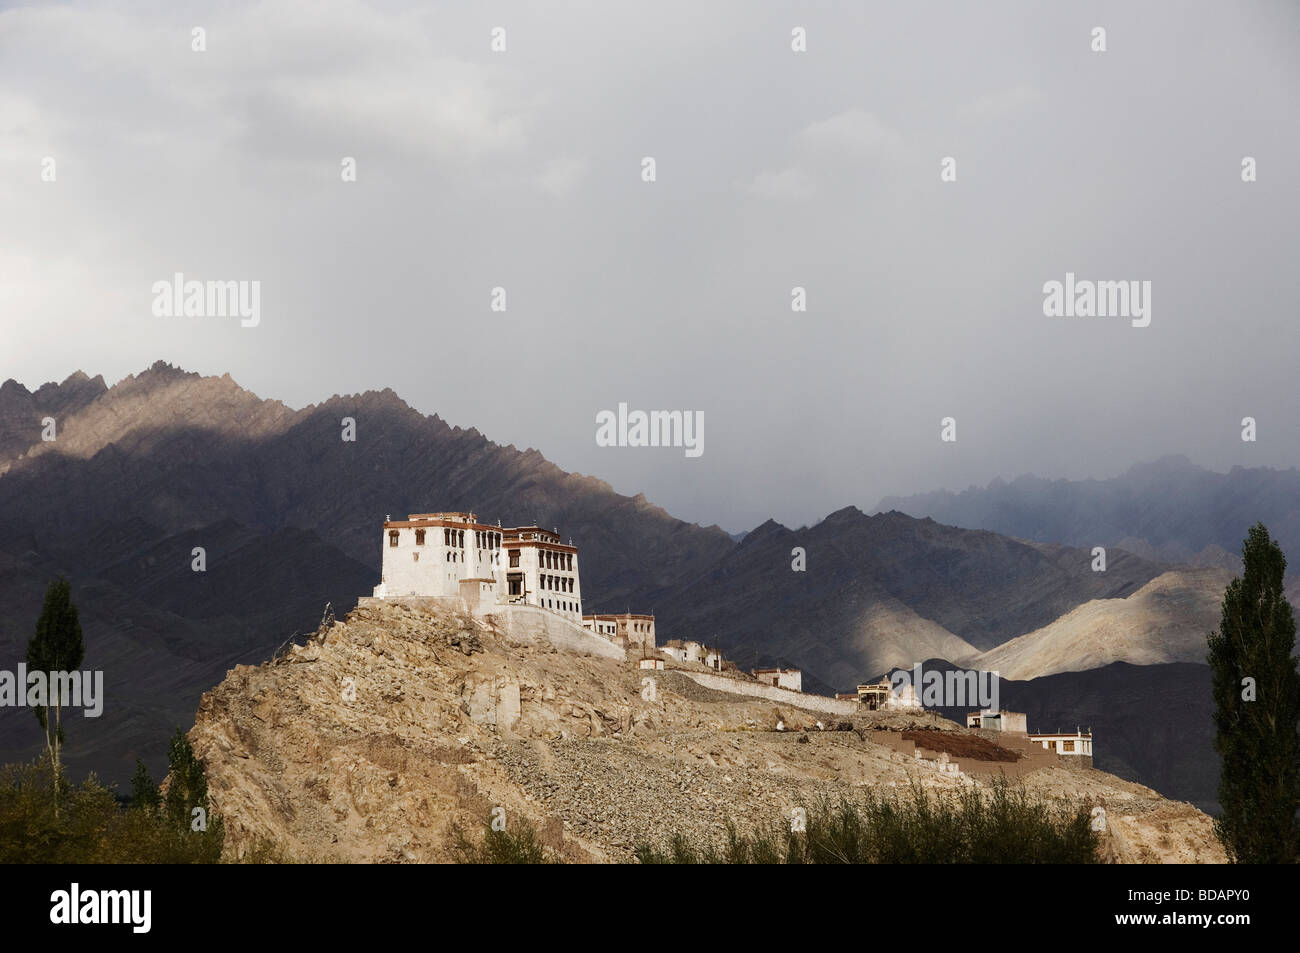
453, 537
550, 559
562, 606
557, 583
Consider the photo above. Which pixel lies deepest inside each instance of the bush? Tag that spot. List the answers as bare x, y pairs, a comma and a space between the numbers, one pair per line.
90, 825
520, 846
1002, 826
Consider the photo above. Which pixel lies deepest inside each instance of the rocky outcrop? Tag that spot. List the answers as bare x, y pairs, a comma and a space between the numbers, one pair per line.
406, 725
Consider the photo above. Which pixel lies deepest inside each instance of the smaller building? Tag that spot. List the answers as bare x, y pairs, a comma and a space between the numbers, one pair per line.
998, 721
628, 629
1077, 745
674, 649
791, 678
880, 696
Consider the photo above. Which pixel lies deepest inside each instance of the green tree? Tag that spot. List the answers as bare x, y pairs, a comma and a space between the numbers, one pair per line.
56, 647
1257, 708
145, 795
187, 789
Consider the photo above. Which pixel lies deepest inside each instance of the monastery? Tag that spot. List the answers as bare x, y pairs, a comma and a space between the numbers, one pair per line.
453, 555
488, 568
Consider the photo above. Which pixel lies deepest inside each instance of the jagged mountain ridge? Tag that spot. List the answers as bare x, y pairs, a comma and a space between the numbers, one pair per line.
956, 591
179, 451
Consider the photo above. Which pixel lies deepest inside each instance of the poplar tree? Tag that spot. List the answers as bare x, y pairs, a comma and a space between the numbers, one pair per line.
56, 647
187, 789
1257, 707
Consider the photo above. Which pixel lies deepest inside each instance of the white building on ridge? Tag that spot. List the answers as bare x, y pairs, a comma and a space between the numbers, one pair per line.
453, 555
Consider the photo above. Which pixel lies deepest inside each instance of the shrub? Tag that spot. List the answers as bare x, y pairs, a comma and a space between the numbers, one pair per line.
1004, 825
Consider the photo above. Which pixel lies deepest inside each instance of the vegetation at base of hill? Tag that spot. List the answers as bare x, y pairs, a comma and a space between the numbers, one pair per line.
520, 845
1005, 825
86, 823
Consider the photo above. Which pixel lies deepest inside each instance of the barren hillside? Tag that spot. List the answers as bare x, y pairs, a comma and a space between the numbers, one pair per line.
404, 723
1167, 620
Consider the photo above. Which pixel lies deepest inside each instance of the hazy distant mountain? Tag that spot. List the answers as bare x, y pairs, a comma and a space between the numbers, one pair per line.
289, 515
1169, 510
884, 590
1167, 620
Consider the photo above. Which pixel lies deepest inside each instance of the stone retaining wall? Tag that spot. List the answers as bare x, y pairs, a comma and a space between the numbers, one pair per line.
782, 695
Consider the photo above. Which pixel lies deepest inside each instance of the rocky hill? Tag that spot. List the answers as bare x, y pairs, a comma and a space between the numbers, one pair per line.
406, 724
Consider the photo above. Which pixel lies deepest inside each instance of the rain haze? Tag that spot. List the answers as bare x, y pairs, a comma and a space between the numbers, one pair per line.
775, 169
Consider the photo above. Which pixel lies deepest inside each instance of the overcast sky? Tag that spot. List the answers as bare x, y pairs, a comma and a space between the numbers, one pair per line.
775, 169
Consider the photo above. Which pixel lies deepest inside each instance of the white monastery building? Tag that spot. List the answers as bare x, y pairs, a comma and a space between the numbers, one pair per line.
453, 555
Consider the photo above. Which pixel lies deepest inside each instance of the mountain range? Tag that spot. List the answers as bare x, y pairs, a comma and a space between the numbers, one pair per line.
288, 513
1169, 510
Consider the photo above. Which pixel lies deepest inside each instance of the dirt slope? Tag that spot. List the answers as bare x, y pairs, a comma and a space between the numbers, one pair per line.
452, 718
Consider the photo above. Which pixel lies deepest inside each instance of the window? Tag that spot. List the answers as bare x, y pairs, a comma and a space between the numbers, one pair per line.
419, 537
392, 537
514, 559
460, 536
1067, 745
446, 537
